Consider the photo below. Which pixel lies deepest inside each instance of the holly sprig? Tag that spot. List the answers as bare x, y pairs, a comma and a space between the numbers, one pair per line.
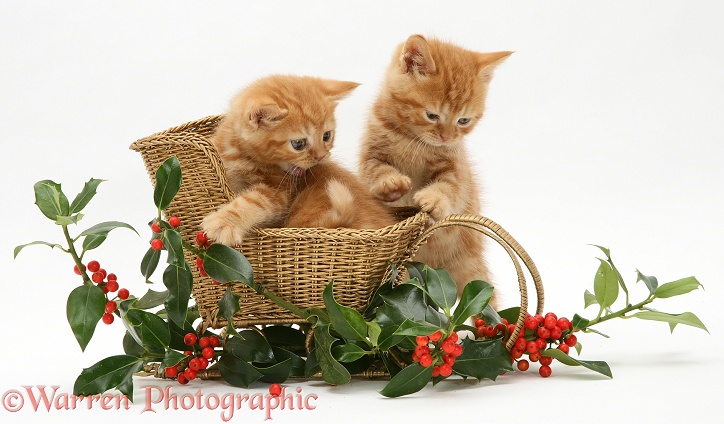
416, 331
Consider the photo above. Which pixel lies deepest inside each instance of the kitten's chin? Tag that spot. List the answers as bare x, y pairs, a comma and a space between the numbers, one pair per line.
439, 142
294, 170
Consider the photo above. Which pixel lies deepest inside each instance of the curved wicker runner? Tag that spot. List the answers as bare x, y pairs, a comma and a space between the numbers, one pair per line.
296, 263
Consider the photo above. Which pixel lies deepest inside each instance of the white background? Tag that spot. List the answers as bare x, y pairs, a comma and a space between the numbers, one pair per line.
603, 127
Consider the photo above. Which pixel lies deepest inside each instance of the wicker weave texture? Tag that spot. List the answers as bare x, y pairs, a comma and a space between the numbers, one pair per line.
296, 264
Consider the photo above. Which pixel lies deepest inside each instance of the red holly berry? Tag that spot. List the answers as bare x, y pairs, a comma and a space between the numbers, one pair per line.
103, 272
97, 277
275, 389
171, 372
564, 348
545, 371
174, 221
523, 365
521, 343
182, 378
571, 340
534, 357
544, 333
157, 244
539, 319
445, 370
556, 333
425, 360
449, 359
123, 294
112, 277
541, 343
214, 341
564, 324
190, 339
194, 365
188, 352
453, 336
480, 332
415, 358
108, 319
457, 351
489, 331
204, 342
436, 371
155, 227
531, 323
550, 322
111, 306
435, 337
207, 352
200, 266
546, 360
189, 374
112, 285
78, 271
532, 347
479, 322
516, 353
94, 266
422, 350
204, 363
448, 346
201, 239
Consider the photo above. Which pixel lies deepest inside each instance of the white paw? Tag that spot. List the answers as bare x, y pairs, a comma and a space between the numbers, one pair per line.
223, 227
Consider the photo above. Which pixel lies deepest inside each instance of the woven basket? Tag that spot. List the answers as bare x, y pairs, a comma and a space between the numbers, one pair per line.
297, 263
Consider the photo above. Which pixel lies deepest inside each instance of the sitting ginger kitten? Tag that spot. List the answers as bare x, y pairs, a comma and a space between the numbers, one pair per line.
413, 153
275, 144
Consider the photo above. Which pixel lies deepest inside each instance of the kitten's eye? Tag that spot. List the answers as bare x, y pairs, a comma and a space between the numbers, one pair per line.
327, 136
463, 121
432, 116
298, 144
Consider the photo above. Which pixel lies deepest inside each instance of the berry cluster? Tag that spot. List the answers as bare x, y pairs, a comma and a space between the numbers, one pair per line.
157, 243
540, 333
433, 351
108, 282
197, 358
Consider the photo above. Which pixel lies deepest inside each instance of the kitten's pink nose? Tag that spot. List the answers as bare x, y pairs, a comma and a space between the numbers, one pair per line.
320, 156
445, 137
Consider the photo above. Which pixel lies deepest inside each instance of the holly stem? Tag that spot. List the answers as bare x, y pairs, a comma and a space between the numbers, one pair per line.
622, 313
74, 255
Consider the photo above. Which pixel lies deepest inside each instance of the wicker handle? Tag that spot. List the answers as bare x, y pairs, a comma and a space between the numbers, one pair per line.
511, 246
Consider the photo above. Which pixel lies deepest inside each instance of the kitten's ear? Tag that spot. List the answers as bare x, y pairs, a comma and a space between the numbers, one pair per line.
416, 57
487, 62
268, 114
338, 90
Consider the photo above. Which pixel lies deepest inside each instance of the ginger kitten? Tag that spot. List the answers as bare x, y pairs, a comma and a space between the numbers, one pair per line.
279, 131
413, 153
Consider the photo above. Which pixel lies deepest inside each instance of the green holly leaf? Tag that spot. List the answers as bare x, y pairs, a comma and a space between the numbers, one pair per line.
251, 347
416, 328
687, 318
174, 246
482, 359
598, 366
50, 199
226, 265
172, 358
677, 288
149, 330
411, 379
332, 371
150, 262
347, 322
229, 305
85, 196
177, 333
236, 371
168, 182
404, 302
651, 282
113, 372
605, 285
131, 347
348, 352
589, 299
284, 336
297, 362
476, 296
85, 307
97, 234
151, 299
19, 248
178, 281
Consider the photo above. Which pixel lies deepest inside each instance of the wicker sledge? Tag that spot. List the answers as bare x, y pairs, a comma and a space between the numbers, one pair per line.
297, 263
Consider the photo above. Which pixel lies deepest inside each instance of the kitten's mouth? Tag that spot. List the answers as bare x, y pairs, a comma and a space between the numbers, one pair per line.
296, 171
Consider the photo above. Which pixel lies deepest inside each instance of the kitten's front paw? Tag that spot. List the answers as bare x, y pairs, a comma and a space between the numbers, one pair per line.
221, 227
433, 202
391, 187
